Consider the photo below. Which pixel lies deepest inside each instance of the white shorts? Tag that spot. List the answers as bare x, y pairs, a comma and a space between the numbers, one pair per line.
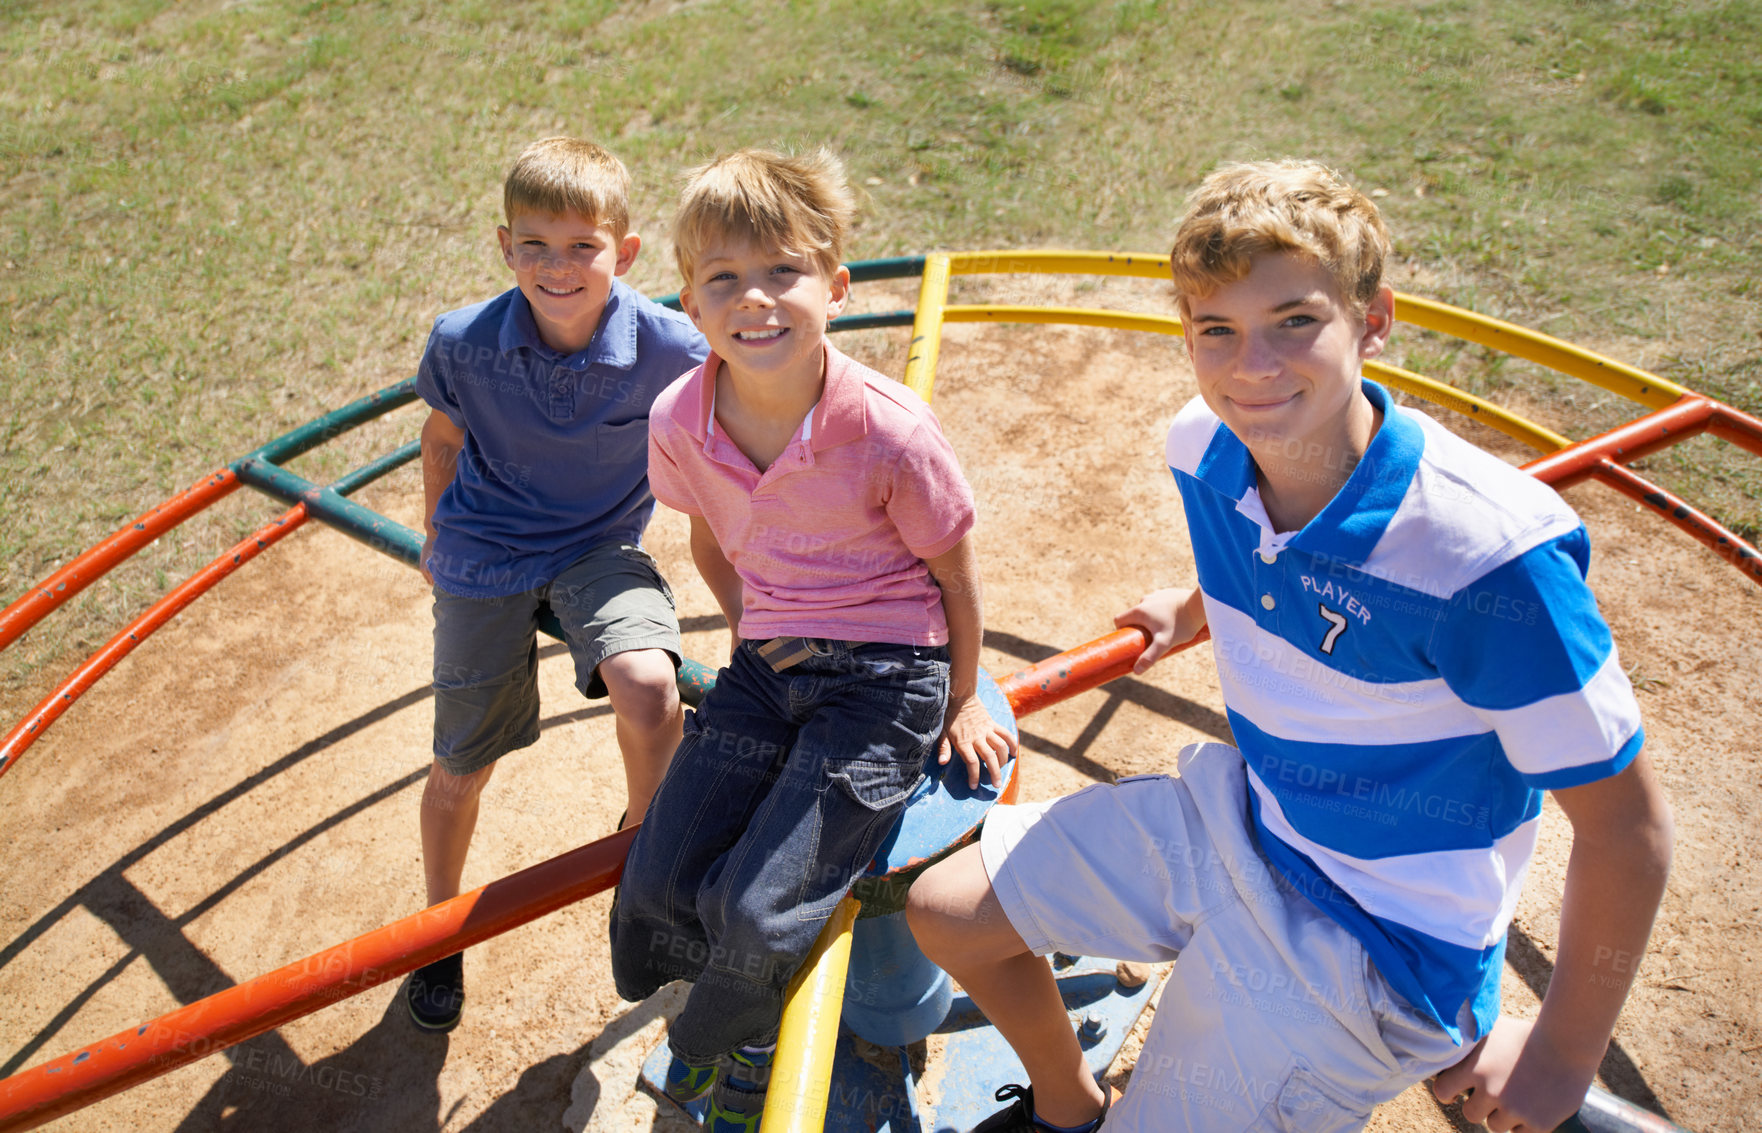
1274, 1018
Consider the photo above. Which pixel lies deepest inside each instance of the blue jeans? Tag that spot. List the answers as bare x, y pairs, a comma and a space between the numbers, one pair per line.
776, 801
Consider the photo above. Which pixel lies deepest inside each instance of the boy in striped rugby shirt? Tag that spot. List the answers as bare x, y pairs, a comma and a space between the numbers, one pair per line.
1409, 656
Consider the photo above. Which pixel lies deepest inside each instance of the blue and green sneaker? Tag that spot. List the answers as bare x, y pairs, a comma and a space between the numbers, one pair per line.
687, 1083
738, 1100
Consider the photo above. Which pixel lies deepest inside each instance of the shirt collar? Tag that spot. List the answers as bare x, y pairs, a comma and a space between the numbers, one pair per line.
613, 343
841, 414
1349, 527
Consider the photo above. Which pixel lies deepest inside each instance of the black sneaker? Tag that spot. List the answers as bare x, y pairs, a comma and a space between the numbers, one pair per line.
436, 993
1019, 1117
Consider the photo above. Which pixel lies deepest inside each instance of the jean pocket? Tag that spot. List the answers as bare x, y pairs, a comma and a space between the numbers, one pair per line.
916, 692
875, 784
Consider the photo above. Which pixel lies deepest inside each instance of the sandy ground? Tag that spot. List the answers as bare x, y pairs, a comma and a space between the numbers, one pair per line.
243, 790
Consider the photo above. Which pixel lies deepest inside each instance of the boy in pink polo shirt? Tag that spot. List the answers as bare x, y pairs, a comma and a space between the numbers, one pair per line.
831, 520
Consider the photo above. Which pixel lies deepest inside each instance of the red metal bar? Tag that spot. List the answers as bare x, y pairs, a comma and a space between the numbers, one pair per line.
53, 1089
1640, 437
1598, 457
1739, 428
45, 596
50, 708
1080, 669
1709, 531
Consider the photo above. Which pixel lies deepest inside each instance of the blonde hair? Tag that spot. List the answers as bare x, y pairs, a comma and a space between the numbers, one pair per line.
1249, 209
559, 175
800, 203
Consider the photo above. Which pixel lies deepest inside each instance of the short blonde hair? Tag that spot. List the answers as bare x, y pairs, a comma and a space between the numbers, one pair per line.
559, 175
800, 203
1249, 209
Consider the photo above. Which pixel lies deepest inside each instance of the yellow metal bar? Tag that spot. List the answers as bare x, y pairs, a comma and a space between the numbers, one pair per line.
1619, 378
801, 1078
1634, 384
1078, 316
1467, 404
1060, 262
920, 364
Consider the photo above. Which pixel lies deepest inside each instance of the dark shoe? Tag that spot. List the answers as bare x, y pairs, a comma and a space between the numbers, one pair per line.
737, 1101
720, 1119
1019, 1116
436, 993
687, 1083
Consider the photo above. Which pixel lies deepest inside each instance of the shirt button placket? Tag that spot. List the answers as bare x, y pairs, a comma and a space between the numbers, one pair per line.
1266, 576
562, 404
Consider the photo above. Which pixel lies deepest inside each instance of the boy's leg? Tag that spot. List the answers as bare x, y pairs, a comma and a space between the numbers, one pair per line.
485, 705
868, 716
435, 994
961, 926
644, 690
449, 815
618, 616
733, 746
1273, 1017
1118, 870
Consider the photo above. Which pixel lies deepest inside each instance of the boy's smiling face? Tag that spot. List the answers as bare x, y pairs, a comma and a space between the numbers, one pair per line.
1277, 356
764, 310
564, 265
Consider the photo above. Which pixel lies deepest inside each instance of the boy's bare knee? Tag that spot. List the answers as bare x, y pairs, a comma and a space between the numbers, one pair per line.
445, 790
954, 913
644, 692
937, 909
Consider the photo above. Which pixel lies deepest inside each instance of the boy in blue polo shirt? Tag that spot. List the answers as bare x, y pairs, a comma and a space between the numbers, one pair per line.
535, 476
1409, 656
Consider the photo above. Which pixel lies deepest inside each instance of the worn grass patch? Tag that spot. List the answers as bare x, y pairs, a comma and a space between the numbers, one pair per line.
222, 219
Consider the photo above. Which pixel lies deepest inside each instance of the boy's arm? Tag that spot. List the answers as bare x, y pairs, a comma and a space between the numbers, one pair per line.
1532, 1075
442, 442
1171, 617
719, 575
966, 727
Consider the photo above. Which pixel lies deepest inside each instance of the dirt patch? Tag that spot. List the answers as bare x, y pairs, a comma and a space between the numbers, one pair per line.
243, 791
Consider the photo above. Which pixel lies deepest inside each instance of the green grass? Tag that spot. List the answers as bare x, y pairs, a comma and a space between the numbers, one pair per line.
221, 220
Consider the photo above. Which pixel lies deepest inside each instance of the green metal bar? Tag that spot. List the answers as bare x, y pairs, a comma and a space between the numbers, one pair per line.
390, 537
333, 424
329, 506
373, 470
888, 267
901, 318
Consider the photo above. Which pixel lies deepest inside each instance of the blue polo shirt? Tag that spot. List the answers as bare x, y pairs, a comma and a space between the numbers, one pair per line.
1404, 676
556, 445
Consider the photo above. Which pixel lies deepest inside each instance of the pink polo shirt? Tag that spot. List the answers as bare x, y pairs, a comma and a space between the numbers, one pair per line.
830, 541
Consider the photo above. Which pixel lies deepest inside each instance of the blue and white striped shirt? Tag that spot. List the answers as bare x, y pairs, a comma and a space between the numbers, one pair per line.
1404, 676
